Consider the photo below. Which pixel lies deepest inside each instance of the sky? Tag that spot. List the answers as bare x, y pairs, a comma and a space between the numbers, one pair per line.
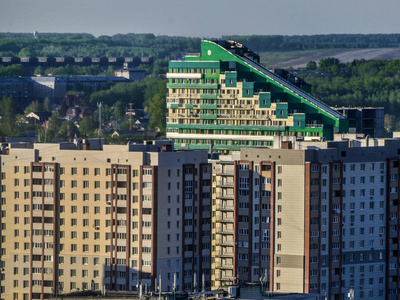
201, 18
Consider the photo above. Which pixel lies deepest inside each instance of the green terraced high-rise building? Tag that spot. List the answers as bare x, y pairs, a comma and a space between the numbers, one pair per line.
223, 99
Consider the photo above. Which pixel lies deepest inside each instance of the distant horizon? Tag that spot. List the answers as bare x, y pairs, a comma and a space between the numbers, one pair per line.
203, 19
182, 36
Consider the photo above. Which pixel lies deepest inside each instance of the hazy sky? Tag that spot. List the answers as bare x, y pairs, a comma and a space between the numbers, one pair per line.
201, 18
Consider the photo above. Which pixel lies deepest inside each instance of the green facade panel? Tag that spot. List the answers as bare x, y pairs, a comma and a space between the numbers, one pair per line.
208, 106
194, 64
282, 110
230, 79
264, 100
248, 89
227, 127
208, 96
207, 116
299, 121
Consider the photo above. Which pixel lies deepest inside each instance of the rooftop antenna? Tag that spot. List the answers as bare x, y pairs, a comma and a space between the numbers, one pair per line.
99, 105
130, 115
194, 283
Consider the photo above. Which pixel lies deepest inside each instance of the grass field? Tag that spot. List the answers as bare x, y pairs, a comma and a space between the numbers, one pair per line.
271, 59
299, 59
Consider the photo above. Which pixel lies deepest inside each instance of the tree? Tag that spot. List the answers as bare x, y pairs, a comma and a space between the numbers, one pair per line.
157, 111
12, 71
47, 105
87, 126
63, 108
330, 65
8, 124
53, 127
67, 130
34, 106
311, 65
119, 110
39, 70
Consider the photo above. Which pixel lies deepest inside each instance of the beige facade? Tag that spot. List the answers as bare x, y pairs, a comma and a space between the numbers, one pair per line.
312, 218
259, 221
107, 218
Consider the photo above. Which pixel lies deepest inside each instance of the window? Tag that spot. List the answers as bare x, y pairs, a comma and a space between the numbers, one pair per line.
147, 185
149, 171
315, 168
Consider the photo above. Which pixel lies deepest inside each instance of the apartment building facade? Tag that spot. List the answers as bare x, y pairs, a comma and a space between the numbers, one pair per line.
224, 99
103, 217
366, 120
321, 218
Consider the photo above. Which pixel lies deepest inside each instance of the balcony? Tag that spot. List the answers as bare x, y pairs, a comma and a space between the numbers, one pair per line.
314, 125
193, 85
208, 96
225, 207
224, 219
208, 116
224, 266
173, 105
222, 242
225, 184
224, 254
185, 75
222, 231
225, 196
208, 106
225, 278
226, 173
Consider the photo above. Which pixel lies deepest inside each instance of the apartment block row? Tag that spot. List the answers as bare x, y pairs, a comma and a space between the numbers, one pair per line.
307, 217
103, 219
319, 218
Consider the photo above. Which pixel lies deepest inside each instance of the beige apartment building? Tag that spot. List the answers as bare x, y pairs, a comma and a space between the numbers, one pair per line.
309, 217
103, 217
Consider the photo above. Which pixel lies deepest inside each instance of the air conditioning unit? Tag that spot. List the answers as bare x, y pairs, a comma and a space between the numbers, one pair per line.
362, 275
233, 291
351, 275
352, 211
